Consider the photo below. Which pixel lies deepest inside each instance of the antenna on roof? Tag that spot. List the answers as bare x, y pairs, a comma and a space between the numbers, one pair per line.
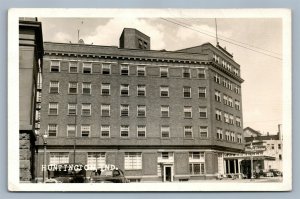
78, 32
216, 31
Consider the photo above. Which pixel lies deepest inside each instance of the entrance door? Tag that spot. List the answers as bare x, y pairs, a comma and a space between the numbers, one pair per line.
168, 172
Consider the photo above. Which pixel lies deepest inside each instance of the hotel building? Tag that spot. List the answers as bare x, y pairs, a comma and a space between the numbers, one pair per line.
156, 114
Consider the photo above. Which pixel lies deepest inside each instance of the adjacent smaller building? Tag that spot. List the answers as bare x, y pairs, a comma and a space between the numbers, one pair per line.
269, 145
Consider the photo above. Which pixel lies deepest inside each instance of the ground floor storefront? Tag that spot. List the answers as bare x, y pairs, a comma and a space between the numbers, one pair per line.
140, 165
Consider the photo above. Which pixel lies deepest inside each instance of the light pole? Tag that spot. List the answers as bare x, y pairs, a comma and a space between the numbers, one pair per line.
251, 147
44, 160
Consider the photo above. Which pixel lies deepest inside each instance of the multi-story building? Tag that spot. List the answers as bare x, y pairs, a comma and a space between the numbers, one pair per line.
30, 63
157, 115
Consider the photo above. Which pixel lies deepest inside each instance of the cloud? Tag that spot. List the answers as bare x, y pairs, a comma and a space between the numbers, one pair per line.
62, 37
109, 33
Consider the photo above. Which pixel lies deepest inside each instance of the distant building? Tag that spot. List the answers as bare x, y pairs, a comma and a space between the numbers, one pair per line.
30, 63
269, 145
249, 132
157, 115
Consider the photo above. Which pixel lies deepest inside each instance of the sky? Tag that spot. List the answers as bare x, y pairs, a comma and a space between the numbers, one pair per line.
256, 44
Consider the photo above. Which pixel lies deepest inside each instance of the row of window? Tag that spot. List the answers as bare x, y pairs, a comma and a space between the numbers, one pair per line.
124, 89
85, 131
132, 160
124, 110
227, 100
87, 68
229, 136
228, 118
226, 65
227, 83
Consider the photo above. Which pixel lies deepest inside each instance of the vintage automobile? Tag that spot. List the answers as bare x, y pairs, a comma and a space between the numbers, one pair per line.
67, 173
276, 172
108, 176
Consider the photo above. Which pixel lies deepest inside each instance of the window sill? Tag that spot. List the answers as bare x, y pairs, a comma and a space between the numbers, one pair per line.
53, 93
71, 114
203, 117
164, 96
124, 95
141, 138
85, 115
52, 114
141, 116
88, 94
185, 138
105, 115
104, 95
72, 93
165, 117
188, 118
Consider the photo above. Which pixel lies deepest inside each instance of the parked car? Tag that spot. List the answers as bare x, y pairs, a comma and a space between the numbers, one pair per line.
268, 174
108, 176
276, 172
68, 173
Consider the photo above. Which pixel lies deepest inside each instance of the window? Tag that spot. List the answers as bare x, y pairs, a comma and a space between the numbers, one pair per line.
195, 156
125, 70
217, 78
187, 92
53, 108
105, 131
230, 85
166, 155
231, 120
279, 146
202, 92
54, 87
164, 91
237, 89
141, 71
85, 130
71, 130
86, 88
73, 67
72, 109
216, 58
230, 102
197, 168
73, 87
124, 109
225, 82
133, 160
236, 71
55, 66
58, 158
87, 68
106, 68
187, 111
165, 131
188, 132
232, 137
141, 131
203, 131
186, 72
238, 121
218, 115
227, 135
141, 111
218, 96
164, 72
52, 130
272, 146
105, 89
201, 73
239, 138
226, 117
141, 90
124, 131
202, 112
124, 89
96, 160
105, 110
86, 109
219, 134
164, 109
237, 105
280, 157
225, 99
